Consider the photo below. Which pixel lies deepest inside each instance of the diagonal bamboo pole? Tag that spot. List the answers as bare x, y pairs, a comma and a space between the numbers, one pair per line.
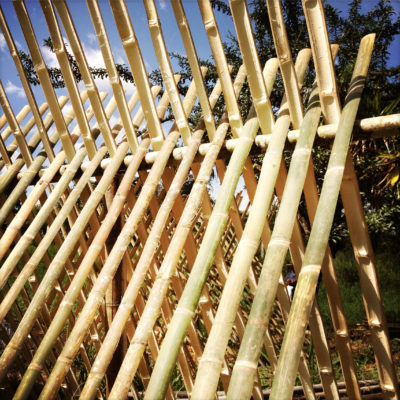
115, 80
138, 69
13, 123
68, 76
27, 88
25, 325
80, 277
211, 362
193, 288
138, 343
184, 29
293, 340
355, 217
166, 70
44, 77
104, 356
87, 314
87, 77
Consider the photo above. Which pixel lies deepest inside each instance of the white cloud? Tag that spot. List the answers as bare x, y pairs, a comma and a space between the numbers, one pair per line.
12, 89
3, 44
92, 37
163, 4
93, 56
49, 57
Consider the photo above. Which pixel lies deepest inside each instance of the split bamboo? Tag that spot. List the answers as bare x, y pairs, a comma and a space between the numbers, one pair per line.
285, 374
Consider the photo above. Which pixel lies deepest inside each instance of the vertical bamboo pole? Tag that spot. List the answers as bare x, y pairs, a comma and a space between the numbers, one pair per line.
115, 80
44, 77
138, 69
69, 78
25, 84
293, 340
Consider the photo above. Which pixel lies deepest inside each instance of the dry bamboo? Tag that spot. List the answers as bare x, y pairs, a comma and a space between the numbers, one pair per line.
44, 77
41, 294
115, 80
10, 174
138, 343
106, 275
80, 277
104, 356
211, 27
184, 29
211, 361
87, 77
138, 69
69, 78
25, 84
293, 340
166, 70
13, 123
262, 104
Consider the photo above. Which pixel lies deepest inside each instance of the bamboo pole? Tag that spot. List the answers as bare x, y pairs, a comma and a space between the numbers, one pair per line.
68, 76
80, 277
44, 77
138, 69
115, 330
262, 104
9, 175
87, 77
214, 38
293, 340
13, 123
210, 364
10, 352
101, 34
106, 275
171, 258
166, 70
25, 84
184, 29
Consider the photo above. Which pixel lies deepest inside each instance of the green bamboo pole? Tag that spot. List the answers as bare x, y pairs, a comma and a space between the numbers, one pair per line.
12, 121
44, 77
101, 34
69, 78
171, 259
195, 67
115, 330
9, 175
80, 277
293, 340
27, 88
190, 297
106, 275
4, 153
138, 69
211, 362
262, 104
166, 69
58, 262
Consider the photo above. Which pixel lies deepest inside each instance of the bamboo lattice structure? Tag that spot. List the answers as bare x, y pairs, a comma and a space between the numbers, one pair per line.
114, 281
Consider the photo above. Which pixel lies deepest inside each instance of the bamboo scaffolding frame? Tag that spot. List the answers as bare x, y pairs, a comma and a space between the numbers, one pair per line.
97, 292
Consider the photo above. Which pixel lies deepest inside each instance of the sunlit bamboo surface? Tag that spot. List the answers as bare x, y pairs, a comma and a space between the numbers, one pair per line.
142, 246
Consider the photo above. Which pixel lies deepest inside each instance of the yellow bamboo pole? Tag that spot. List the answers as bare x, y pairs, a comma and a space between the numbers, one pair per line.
13, 123
44, 78
138, 69
69, 78
25, 84
87, 77
115, 80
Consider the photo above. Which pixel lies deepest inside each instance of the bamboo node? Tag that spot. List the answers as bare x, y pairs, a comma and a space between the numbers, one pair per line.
35, 366
211, 360
311, 268
244, 364
333, 169
388, 388
184, 311
279, 242
258, 321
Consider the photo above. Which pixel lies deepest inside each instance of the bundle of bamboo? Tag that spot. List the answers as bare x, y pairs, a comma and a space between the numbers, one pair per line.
111, 276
